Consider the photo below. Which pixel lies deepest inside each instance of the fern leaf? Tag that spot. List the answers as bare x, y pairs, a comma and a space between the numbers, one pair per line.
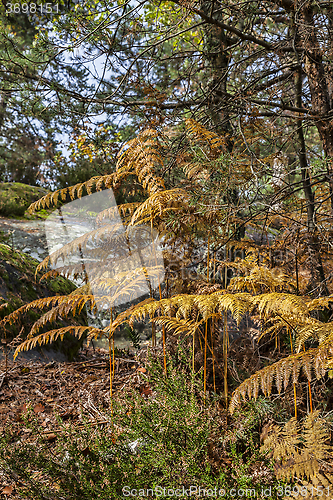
260, 277
178, 326
185, 306
73, 305
52, 335
200, 133
281, 304
299, 452
142, 156
317, 357
51, 199
158, 204
35, 304
124, 210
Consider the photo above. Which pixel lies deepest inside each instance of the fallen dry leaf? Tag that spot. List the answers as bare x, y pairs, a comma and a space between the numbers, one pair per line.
8, 490
39, 408
145, 390
50, 436
141, 369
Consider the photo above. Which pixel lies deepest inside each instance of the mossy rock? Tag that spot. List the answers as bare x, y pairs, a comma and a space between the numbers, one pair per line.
16, 197
18, 287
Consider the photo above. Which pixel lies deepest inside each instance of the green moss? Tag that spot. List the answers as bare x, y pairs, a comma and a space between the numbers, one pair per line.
15, 198
29, 292
5, 249
18, 287
61, 286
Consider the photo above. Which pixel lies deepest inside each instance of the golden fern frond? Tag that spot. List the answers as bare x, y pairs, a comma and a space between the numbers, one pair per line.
124, 210
282, 442
184, 306
298, 451
315, 359
196, 172
160, 203
35, 304
260, 276
201, 134
178, 326
51, 199
108, 281
237, 304
142, 156
313, 329
320, 303
42, 265
52, 335
281, 304
180, 308
72, 306
126, 286
70, 271
101, 234
315, 436
73, 271
53, 273
123, 317
303, 326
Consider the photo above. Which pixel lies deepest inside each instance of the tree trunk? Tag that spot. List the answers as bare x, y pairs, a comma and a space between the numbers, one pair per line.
217, 61
320, 84
308, 193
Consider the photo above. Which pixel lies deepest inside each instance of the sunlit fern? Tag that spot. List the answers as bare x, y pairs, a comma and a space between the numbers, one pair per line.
52, 335
299, 451
315, 360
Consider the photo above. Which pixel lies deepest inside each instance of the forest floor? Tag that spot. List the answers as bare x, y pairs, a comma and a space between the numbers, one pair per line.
70, 390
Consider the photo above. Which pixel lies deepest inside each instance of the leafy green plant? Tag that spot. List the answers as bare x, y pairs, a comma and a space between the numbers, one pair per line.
157, 437
134, 336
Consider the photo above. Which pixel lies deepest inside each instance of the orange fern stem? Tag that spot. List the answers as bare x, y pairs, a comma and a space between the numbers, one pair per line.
295, 394
111, 360
208, 259
310, 393
193, 350
206, 328
225, 356
160, 294
213, 352
205, 358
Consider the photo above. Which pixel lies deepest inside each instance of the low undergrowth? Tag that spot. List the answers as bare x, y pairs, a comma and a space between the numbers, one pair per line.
165, 440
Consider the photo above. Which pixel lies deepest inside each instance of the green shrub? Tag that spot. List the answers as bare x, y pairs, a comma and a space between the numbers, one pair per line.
160, 438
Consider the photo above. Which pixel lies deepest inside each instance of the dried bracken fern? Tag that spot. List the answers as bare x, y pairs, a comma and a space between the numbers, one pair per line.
298, 452
52, 335
142, 156
159, 204
125, 211
261, 279
200, 134
208, 306
313, 360
51, 199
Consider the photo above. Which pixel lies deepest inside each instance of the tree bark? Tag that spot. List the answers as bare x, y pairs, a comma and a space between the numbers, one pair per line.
320, 83
308, 193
